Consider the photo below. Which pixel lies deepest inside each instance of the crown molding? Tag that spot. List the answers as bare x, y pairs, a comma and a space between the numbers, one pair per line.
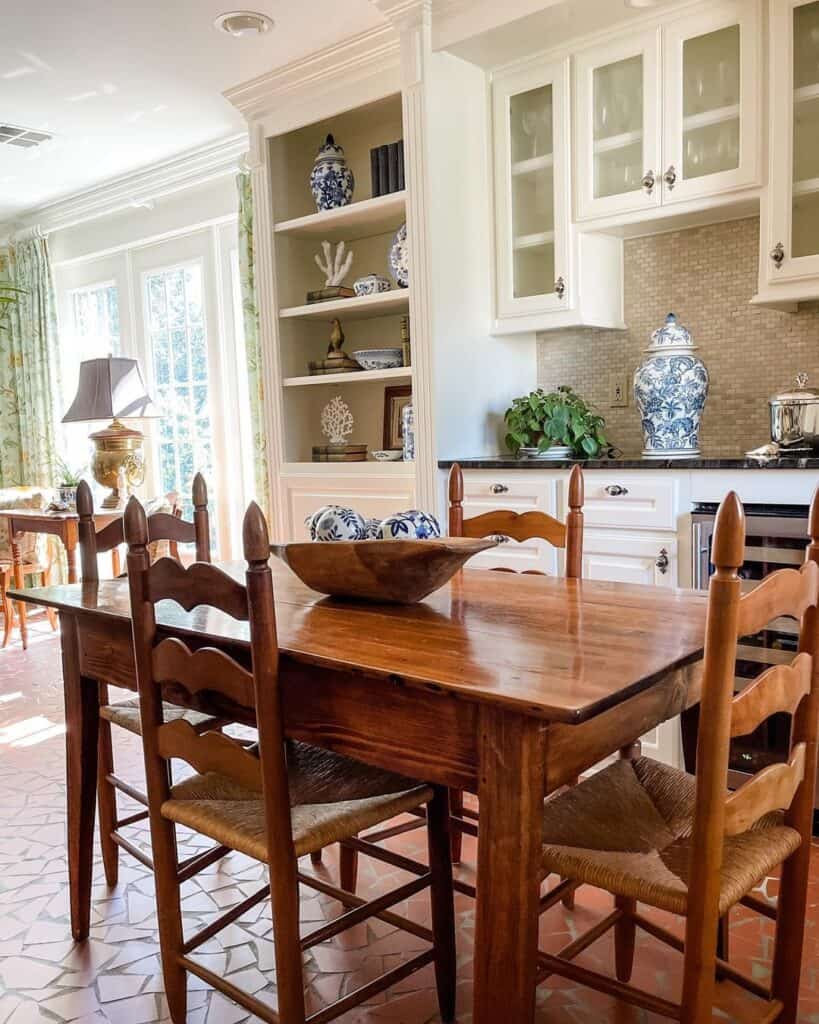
365, 54
137, 189
405, 14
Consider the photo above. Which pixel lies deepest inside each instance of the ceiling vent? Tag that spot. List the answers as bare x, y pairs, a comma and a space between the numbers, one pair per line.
25, 138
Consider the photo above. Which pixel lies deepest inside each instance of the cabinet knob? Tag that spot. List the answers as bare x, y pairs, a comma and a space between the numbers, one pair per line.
615, 490
662, 562
648, 182
499, 488
777, 254
500, 538
560, 287
670, 178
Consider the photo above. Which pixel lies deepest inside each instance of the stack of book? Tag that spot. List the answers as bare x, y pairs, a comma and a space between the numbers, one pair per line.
387, 168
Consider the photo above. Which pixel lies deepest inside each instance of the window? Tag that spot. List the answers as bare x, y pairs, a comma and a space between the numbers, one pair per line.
177, 335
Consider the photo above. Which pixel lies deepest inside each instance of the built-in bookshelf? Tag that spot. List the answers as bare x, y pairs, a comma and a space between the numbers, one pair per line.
367, 226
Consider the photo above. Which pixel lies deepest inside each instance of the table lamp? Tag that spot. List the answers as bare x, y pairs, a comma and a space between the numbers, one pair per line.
111, 388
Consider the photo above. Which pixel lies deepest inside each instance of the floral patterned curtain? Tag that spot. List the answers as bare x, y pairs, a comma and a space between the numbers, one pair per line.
253, 350
29, 373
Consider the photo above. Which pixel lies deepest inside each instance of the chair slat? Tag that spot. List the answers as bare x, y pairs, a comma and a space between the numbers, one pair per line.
780, 688
785, 592
205, 669
772, 789
211, 752
198, 584
519, 526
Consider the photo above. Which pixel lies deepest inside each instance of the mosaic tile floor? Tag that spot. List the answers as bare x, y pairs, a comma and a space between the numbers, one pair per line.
115, 977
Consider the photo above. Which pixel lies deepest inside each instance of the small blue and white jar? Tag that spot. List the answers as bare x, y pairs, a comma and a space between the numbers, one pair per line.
331, 180
670, 389
408, 432
412, 525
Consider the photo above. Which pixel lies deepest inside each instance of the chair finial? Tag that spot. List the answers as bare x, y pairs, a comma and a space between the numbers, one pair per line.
255, 538
576, 488
135, 524
728, 550
456, 484
85, 500
200, 491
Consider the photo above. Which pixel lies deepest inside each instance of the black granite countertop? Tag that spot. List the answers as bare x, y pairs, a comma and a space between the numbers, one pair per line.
725, 461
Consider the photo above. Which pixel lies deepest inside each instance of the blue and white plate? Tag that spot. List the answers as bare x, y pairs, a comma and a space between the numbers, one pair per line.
399, 258
412, 525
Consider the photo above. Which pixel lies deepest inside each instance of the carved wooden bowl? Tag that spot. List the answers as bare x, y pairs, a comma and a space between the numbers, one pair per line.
393, 571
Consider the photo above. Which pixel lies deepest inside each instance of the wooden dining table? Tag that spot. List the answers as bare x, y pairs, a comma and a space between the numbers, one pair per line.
504, 686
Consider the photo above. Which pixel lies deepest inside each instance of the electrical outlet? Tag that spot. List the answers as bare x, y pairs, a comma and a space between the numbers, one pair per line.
619, 391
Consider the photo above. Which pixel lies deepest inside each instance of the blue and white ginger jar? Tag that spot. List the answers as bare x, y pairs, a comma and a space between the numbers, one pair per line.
412, 525
670, 389
331, 180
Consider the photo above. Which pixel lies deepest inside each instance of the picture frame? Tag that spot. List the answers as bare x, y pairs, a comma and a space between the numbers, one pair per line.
395, 400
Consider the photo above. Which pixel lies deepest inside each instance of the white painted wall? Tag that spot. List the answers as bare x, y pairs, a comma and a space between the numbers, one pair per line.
475, 376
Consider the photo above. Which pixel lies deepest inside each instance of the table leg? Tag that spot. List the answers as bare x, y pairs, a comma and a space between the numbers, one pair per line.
71, 559
19, 583
511, 790
116, 566
82, 725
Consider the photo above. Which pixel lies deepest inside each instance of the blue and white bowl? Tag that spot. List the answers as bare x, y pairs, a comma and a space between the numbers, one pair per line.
379, 358
341, 524
411, 525
371, 284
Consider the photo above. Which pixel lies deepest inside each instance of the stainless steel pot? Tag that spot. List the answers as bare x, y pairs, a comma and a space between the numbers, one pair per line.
795, 416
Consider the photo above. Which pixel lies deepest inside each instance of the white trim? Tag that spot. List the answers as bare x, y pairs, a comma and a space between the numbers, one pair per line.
139, 188
143, 243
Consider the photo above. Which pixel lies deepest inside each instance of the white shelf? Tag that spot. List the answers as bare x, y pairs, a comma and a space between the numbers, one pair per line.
613, 142
719, 115
359, 308
346, 223
808, 187
533, 164
806, 93
397, 373
532, 241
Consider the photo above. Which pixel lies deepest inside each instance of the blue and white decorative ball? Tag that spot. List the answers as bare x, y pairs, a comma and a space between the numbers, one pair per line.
371, 527
340, 524
412, 525
311, 521
331, 180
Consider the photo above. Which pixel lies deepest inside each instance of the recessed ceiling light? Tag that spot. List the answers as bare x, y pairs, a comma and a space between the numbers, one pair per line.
243, 23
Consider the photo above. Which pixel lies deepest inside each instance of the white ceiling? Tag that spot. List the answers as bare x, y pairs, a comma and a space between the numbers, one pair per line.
125, 83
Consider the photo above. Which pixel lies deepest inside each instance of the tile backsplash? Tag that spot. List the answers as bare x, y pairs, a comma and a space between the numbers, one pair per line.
705, 275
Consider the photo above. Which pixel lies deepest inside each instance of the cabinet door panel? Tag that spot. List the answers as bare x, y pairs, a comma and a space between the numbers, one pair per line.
712, 106
373, 498
617, 127
531, 139
647, 559
793, 214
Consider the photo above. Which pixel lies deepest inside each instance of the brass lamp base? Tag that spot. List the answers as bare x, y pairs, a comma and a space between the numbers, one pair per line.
118, 462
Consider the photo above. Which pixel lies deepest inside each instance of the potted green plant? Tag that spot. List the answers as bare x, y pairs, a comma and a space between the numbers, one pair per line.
68, 480
559, 423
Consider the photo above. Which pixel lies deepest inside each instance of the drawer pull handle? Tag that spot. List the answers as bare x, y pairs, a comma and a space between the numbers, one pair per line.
499, 488
662, 562
615, 490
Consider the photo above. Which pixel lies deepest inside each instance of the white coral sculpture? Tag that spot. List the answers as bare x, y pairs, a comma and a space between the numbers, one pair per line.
336, 421
336, 268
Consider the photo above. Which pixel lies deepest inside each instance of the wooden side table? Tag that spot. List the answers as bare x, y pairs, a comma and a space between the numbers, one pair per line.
57, 524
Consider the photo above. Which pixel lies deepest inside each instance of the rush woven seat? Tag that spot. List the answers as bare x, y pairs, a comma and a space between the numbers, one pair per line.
628, 829
331, 798
126, 715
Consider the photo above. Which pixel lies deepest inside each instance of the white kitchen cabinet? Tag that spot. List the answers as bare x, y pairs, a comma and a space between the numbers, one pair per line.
789, 237
625, 557
671, 116
546, 274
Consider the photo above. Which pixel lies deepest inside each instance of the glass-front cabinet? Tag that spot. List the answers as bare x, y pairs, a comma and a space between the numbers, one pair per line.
671, 115
790, 239
531, 142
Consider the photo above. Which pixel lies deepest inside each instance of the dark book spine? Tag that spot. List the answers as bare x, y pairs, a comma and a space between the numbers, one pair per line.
383, 171
392, 167
402, 184
376, 184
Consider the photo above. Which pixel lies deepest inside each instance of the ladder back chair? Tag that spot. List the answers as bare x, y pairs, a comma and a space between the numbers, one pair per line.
162, 526
519, 527
691, 847
275, 802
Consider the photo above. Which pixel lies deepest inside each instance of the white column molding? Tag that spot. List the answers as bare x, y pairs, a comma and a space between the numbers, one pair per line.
412, 19
268, 325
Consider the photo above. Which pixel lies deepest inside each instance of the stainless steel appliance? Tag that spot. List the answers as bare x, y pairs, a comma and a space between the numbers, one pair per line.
775, 538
